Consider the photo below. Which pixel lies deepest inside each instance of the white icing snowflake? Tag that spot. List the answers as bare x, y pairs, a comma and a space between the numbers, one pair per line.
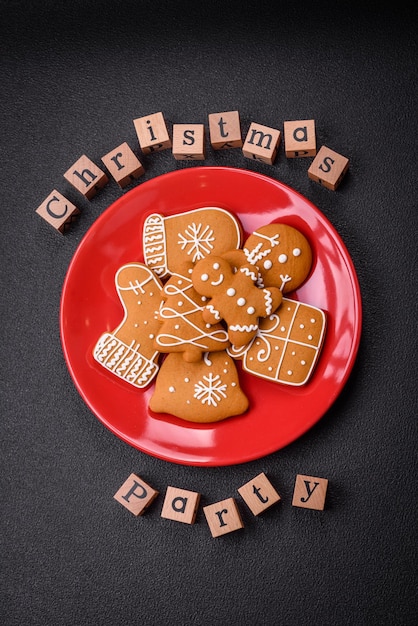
197, 241
211, 390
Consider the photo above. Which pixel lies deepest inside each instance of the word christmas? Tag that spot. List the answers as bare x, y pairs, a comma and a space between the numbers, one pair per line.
222, 517
188, 143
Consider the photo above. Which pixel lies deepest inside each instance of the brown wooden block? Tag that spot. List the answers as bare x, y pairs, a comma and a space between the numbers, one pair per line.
189, 142
123, 164
135, 494
328, 168
152, 133
180, 505
259, 494
86, 177
299, 138
310, 492
261, 143
225, 130
223, 517
58, 211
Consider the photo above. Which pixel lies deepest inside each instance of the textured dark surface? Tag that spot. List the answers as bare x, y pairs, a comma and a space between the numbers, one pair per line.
73, 76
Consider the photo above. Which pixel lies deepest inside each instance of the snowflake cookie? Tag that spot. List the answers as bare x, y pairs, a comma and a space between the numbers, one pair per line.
203, 391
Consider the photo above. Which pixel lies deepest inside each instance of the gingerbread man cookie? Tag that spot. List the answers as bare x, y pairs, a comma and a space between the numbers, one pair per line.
234, 297
128, 351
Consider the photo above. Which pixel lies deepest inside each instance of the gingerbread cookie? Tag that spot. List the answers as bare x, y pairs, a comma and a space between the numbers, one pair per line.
173, 244
183, 328
234, 297
281, 253
128, 351
206, 391
287, 345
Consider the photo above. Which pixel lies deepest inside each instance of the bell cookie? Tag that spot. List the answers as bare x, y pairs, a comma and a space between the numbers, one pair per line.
128, 351
282, 255
287, 345
173, 244
204, 391
183, 328
233, 297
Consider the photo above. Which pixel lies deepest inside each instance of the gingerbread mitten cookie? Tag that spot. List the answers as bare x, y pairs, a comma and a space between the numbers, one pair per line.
128, 351
282, 254
234, 297
206, 391
183, 328
174, 243
287, 345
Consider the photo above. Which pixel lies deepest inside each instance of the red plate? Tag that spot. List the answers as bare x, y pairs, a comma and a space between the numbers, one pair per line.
278, 414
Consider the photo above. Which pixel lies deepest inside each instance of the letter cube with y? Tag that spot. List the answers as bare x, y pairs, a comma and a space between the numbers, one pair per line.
58, 211
225, 130
261, 143
259, 494
223, 517
310, 492
328, 168
86, 177
152, 133
180, 505
135, 495
189, 142
123, 165
299, 138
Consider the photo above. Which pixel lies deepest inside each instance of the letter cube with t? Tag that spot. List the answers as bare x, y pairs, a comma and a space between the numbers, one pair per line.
135, 495
225, 130
310, 492
328, 168
259, 494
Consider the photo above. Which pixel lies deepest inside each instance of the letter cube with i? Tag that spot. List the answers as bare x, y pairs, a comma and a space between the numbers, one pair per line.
58, 211
180, 505
310, 492
223, 517
152, 133
86, 177
225, 130
189, 142
299, 138
261, 143
135, 495
328, 168
123, 165
259, 494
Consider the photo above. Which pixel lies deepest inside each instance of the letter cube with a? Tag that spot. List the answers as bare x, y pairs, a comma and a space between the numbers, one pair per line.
180, 505
310, 492
259, 494
299, 138
328, 168
261, 143
225, 130
135, 495
58, 211
123, 164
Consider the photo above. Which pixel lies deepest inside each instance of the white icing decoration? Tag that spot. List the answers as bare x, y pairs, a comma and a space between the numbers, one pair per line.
289, 372
241, 301
251, 310
268, 265
246, 328
230, 292
303, 362
204, 277
187, 380
211, 390
297, 252
268, 301
285, 279
171, 389
216, 266
215, 283
282, 258
197, 240
302, 326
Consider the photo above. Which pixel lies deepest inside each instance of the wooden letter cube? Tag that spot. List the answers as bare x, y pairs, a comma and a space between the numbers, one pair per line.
299, 138
58, 211
189, 142
180, 505
152, 133
223, 517
123, 165
328, 168
310, 492
86, 177
225, 130
261, 143
135, 495
259, 494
